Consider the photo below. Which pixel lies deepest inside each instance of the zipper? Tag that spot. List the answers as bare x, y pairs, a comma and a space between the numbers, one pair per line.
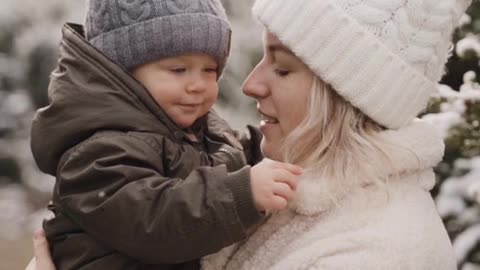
236, 161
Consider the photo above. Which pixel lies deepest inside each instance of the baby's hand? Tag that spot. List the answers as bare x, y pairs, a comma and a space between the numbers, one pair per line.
273, 184
42, 259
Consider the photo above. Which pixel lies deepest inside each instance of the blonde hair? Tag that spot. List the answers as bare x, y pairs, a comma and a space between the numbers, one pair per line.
336, 140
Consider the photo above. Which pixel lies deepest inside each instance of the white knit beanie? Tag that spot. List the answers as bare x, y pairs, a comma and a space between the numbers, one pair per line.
383, 56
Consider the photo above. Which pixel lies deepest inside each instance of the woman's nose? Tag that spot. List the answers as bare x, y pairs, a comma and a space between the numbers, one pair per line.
256, 84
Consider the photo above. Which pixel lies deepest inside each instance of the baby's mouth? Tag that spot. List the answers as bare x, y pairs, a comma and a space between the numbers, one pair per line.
190, 105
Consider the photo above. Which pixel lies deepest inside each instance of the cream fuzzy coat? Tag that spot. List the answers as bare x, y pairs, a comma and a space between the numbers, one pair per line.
386, 227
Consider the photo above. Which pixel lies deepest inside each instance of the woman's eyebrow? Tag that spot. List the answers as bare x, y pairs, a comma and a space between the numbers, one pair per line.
278, 48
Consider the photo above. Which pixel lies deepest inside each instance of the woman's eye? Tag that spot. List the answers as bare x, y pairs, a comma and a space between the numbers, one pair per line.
282, 72
178, 70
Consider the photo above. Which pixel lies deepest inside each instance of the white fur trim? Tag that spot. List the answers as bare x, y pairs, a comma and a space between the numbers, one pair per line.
414, 148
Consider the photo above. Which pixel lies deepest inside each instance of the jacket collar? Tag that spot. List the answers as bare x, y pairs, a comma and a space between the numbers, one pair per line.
73, 37
411, 149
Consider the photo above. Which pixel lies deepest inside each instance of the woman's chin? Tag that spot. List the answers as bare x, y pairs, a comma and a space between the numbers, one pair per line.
271, 150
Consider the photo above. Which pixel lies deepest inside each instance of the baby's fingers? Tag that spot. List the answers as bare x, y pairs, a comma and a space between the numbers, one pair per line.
43, 259
283, 190
278, 203
283, 176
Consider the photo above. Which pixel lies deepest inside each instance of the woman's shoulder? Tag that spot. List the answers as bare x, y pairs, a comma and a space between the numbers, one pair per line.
392, 237
395, 226
399, 229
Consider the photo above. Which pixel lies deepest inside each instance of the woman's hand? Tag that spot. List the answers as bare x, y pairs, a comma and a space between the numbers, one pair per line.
42, 259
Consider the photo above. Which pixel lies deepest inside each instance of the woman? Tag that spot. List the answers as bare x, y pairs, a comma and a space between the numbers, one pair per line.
338, 89
363, 70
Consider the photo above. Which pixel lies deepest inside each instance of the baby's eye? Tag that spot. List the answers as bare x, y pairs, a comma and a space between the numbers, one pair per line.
211, 70
282, 72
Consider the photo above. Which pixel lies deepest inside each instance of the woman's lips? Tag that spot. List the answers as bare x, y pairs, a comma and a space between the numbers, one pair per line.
267, 122
267, 119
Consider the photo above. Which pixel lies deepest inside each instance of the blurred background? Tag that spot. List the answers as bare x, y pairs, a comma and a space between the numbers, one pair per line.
29, 37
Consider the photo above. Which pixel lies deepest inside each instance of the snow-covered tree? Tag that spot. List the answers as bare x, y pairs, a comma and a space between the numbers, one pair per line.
455, 110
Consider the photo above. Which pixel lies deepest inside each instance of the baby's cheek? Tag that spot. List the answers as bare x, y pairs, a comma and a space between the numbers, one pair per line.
209, 104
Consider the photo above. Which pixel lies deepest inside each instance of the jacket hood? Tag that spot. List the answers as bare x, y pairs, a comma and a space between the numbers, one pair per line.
414, 149
89, 93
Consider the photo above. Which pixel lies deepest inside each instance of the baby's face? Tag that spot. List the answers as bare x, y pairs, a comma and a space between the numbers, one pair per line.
185, 87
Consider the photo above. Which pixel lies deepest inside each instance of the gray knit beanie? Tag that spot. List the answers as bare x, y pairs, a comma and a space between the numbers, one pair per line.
135, 32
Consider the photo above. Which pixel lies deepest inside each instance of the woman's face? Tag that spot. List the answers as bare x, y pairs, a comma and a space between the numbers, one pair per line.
281, 84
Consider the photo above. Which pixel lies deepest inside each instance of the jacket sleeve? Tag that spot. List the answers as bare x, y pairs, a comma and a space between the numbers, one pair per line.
114, 189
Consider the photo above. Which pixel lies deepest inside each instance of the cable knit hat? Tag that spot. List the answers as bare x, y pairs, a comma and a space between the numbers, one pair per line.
383, 56
135, 32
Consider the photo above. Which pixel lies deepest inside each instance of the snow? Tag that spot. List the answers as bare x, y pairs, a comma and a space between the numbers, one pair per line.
453, 109
465, 19
464, 242
454, 191
459, 196
469, 43
444, 121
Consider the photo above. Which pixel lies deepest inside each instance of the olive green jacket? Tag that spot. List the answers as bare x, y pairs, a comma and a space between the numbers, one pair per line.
132, 190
